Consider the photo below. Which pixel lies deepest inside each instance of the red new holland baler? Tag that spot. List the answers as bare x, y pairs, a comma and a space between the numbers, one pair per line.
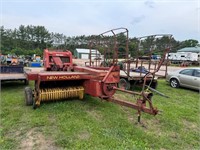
75, 81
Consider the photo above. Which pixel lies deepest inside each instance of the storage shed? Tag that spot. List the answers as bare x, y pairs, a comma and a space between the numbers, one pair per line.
82, 53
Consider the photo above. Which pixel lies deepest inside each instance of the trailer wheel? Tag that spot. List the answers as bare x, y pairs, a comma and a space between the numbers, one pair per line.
154, 84
28, 96
124, 84
26, 82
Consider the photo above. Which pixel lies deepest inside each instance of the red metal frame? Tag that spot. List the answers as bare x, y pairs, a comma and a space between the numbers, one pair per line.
109, 45
144, 97
53, 61
95, 81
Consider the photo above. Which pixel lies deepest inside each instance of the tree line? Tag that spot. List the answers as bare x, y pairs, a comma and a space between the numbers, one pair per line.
29, 40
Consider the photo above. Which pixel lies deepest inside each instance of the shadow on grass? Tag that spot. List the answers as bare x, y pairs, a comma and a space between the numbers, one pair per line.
191, 90
6, 85
184, 88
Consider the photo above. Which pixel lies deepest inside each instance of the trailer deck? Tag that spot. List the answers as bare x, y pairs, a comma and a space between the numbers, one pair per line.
133, 75
12, 73
12, 76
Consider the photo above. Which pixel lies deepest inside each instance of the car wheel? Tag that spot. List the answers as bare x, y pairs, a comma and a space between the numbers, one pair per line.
174, 83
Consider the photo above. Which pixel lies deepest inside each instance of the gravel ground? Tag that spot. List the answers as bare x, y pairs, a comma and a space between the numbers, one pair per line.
81, 62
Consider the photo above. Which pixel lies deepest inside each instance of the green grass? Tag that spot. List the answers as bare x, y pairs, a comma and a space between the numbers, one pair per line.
95, 124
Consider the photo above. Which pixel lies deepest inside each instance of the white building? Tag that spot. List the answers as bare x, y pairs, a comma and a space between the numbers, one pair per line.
83, 53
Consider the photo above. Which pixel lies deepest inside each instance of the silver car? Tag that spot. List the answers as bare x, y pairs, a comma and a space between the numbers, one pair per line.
187, 77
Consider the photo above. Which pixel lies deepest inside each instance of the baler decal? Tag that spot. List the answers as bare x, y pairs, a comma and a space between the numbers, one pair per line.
63, 77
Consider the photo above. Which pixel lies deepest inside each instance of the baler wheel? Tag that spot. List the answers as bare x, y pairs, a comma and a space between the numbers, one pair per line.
28, 96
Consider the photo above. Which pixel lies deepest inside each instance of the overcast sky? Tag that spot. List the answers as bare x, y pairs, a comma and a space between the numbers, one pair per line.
86, 17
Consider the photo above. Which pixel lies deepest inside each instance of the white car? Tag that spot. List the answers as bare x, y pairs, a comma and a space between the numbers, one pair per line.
187, 77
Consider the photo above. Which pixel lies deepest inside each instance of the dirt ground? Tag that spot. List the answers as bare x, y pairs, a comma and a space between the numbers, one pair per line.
36, 140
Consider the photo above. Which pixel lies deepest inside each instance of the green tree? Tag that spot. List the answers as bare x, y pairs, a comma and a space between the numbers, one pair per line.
133, 47
189, 43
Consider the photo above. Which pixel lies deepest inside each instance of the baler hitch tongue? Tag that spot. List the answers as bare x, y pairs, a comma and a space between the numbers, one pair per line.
140, 105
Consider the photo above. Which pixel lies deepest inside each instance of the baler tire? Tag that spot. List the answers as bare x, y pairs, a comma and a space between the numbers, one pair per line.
28, 96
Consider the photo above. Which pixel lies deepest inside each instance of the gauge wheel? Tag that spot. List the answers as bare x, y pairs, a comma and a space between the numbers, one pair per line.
174, 83
28, 96
124, 84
